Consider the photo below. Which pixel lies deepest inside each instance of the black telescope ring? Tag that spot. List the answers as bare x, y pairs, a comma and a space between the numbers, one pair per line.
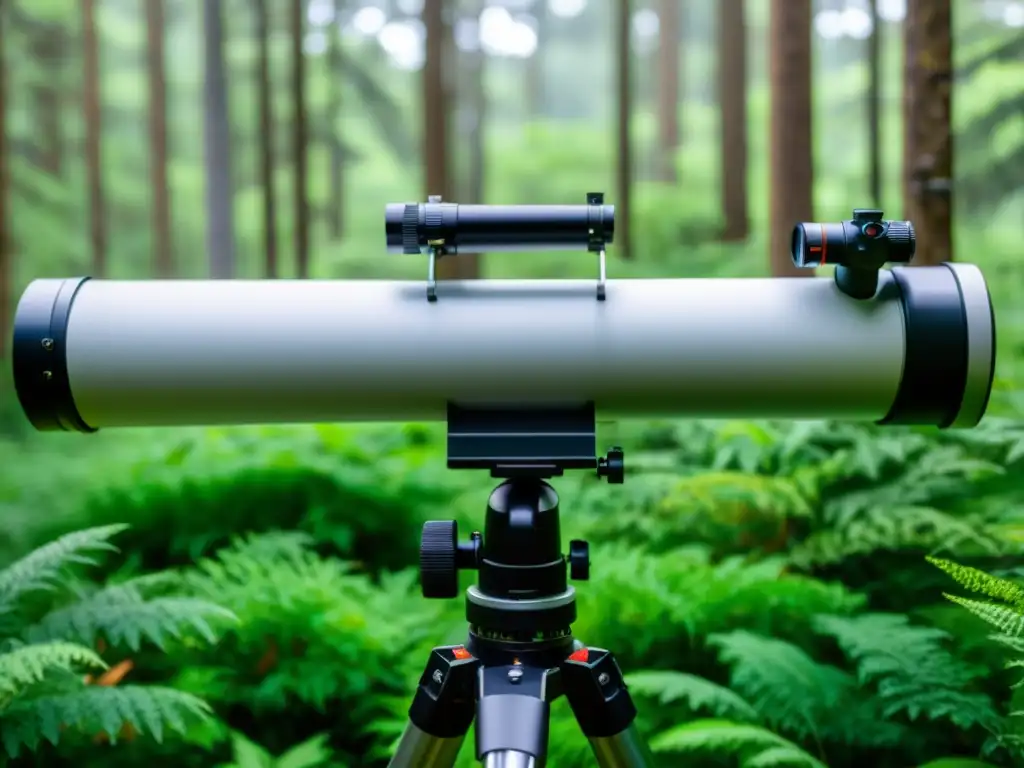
935, 362
39, 355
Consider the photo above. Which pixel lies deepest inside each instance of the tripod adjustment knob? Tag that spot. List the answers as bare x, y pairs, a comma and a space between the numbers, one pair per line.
439, 569
612, 466
579, 560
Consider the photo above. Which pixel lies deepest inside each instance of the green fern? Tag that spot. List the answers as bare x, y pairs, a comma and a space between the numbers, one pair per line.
43, 690
913, 673
979, 582
791, 692
41, 569
146, 709
754, 746
123, 614
697, 692
312, 753
27, 665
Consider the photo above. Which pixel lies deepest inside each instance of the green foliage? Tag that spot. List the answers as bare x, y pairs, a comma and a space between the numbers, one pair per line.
312, 633
313, 753
50, 626
755, 747
702, 586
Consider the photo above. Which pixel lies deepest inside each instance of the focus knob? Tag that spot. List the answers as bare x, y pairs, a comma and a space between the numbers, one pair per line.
439, 571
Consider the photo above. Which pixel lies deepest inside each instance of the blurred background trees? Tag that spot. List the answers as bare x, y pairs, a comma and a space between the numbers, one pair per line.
765, 585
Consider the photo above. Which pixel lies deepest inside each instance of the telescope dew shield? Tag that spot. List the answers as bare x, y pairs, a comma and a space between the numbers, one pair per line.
164, 353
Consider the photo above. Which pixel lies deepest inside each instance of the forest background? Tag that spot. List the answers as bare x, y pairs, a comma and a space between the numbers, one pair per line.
774, 591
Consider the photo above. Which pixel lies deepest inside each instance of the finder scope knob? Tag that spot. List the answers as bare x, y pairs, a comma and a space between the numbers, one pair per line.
439, 570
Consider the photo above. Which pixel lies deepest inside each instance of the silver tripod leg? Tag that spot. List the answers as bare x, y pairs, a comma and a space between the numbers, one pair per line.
441, 712
626, 749
419, 749
593, 684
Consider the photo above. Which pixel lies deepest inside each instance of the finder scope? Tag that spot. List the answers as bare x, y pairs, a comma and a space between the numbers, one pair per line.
447, 228
859, 247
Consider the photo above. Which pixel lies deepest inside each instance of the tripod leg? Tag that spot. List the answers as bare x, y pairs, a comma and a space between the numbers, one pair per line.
512, 717
593, 685
441, 712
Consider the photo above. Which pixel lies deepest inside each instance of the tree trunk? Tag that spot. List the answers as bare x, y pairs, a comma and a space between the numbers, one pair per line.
298, 13
792, 145
732, 99
92, 114
163, 260
624, 167
668, 89
48, 49
874, 105
336, 203
266, 121
928, 141
536, 71
6, 240
437, 104
220, 219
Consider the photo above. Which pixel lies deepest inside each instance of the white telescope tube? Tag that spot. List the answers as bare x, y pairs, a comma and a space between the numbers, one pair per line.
90, 354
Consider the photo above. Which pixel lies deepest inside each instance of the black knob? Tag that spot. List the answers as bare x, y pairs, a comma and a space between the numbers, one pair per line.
613, 466
579, 560
439, 571
902, 241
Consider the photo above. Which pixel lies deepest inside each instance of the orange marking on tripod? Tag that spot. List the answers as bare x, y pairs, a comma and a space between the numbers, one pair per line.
824, 245
583, 654
460, 653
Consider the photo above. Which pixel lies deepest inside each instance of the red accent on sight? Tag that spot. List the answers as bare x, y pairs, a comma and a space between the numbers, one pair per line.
583, 654
461, 653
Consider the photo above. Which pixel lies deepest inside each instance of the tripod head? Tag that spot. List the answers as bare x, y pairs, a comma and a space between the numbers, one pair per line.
522, 594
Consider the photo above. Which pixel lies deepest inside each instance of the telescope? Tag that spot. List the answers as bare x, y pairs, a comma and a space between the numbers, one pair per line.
521, 371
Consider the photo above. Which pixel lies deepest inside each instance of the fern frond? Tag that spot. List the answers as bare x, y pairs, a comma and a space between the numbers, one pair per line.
697, 692
782, 756
748, 742
29, 664
956, 762
790, 690
122, 614
39, 569
911, 669
94, 709
979, 582
1007, 619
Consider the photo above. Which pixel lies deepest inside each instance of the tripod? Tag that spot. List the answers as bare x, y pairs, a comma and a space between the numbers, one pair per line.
520, 654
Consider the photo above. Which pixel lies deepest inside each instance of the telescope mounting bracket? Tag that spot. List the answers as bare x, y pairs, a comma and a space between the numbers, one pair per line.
529, 441
595, 244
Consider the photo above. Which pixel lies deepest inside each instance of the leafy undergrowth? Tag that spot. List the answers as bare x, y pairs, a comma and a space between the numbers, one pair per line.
766, 588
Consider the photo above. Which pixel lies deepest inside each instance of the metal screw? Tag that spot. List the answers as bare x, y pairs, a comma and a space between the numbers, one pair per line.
48, 344
515, 675
603, 678
47, 375
438, 676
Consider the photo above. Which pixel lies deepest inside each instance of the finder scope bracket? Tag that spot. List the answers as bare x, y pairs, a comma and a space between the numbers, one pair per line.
598, 236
